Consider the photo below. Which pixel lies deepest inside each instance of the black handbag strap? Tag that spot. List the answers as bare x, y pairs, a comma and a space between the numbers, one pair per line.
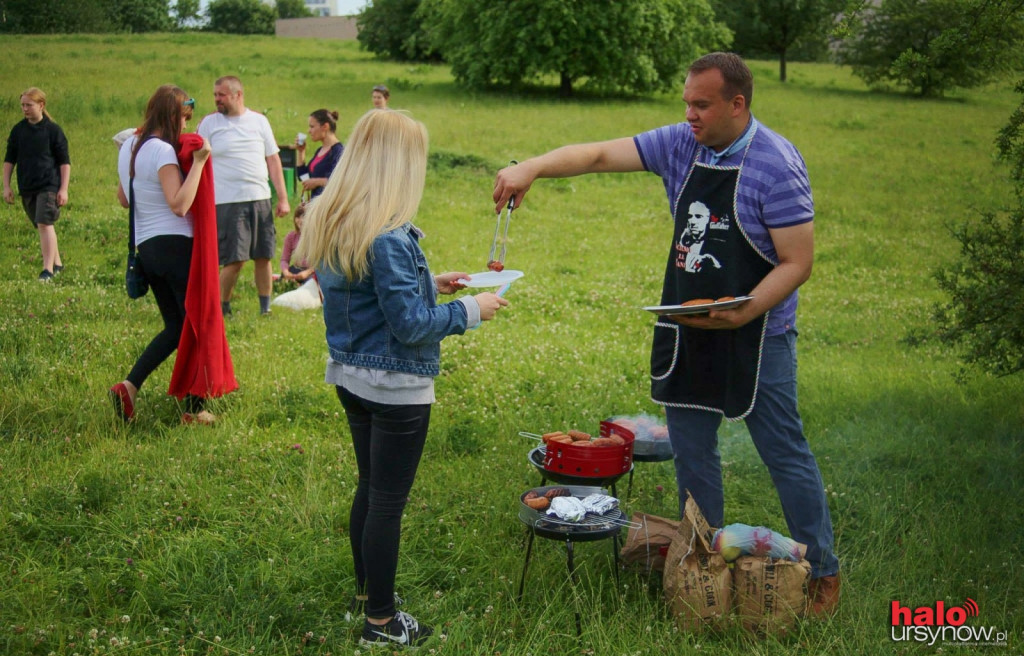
131, 215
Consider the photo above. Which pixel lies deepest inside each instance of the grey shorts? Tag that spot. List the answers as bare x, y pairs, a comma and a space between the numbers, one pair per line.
245, 231
41, 208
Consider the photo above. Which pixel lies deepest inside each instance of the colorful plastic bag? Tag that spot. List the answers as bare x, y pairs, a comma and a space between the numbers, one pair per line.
737, 540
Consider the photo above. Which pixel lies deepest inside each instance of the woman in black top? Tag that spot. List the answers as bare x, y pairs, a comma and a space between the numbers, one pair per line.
38, 147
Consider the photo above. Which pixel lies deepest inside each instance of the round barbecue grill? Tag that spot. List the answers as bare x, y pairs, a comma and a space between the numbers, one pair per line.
591, 528
538, 455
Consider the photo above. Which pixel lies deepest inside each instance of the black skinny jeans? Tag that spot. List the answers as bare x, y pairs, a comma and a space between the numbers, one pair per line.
388, 442
166, 260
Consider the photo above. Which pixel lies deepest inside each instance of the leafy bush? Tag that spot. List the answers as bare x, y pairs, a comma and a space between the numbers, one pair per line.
241, 17
57, 16
932, 46
292, 9
141, 15
985, 315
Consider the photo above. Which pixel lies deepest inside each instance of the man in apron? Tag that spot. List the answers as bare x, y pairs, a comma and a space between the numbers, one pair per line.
741, 201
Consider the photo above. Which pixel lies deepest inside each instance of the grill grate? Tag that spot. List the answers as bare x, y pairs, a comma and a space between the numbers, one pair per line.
591, 524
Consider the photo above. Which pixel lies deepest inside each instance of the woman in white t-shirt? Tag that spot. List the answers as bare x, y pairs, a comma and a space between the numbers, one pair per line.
148, 170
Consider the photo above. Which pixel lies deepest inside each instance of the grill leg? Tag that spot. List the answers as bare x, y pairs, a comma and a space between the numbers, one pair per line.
615, 564
629, 488
522, 579
570, 562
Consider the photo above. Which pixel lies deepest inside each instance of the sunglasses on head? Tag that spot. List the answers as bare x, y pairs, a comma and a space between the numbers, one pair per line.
191, 102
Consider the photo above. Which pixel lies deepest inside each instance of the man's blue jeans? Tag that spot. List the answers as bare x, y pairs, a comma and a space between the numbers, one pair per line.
775, 427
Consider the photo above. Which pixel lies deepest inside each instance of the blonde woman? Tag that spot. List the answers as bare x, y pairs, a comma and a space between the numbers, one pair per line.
38, 148
384, 331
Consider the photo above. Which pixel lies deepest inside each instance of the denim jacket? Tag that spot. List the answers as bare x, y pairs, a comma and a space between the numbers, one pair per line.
390, 318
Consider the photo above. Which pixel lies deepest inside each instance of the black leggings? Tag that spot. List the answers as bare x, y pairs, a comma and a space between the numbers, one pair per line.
388, 442
166, 260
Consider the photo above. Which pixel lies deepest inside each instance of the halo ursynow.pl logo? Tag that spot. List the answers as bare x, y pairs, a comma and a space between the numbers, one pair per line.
934, 623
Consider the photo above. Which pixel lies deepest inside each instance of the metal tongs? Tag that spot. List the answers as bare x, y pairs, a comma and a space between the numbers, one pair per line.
497, 230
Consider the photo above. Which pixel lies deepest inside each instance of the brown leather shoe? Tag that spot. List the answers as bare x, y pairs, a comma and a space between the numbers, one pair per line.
203, 418
824, 595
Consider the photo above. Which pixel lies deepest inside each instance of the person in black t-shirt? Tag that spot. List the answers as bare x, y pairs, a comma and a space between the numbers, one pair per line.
38, 147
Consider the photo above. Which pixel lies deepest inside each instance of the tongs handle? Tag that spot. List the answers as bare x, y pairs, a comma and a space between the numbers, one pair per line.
511, 199
497, 227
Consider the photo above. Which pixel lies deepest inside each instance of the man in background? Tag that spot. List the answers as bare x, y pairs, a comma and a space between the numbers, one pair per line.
245, 154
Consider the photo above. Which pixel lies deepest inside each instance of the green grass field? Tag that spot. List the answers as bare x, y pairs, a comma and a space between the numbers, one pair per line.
157, 538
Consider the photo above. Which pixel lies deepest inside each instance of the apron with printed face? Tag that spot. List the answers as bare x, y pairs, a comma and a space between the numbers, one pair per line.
711, 257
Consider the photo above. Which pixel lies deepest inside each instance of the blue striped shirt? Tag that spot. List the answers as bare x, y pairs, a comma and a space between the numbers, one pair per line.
774, 191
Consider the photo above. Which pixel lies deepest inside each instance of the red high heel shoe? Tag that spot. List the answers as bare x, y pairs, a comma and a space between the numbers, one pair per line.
122, 401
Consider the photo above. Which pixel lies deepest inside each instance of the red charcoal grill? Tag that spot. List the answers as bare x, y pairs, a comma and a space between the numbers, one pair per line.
586, 465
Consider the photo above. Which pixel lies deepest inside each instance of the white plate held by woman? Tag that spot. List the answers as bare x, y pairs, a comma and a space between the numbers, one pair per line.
491, 278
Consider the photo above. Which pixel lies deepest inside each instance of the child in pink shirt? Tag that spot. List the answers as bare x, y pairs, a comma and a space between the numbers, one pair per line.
299, 272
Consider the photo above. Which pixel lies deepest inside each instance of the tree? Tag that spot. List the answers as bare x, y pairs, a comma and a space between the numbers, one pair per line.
241, 17
186, 13
141, 15
52, 17
292, 9
60, 16
932, 46
633, 45
394, 29
984, 315
779, 27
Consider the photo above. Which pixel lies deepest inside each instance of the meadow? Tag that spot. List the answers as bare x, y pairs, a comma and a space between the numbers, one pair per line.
159, 538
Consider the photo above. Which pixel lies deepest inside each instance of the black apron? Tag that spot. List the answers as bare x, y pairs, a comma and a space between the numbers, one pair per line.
711, 257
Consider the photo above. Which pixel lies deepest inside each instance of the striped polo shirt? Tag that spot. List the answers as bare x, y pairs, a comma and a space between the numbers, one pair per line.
774, 191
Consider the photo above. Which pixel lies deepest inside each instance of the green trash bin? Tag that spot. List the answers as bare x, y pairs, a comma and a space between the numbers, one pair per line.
288, 159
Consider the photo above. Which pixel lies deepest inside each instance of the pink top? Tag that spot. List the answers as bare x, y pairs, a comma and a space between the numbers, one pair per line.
291, 241
319, 156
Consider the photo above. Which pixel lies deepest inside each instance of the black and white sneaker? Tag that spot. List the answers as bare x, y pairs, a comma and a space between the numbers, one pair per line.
403, 629
357, 607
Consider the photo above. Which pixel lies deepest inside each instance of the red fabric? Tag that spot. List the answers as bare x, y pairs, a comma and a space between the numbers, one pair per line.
203, 366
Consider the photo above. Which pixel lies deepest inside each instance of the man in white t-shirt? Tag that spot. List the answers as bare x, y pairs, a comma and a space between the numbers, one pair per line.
245, 154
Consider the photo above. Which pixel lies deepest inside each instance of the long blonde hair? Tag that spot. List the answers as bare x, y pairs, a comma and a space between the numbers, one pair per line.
376, 188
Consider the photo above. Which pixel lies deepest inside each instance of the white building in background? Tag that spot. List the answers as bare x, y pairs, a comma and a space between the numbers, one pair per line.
322, 7
335, 7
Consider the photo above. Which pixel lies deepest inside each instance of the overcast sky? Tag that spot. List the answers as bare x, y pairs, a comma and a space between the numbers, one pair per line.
348, 7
